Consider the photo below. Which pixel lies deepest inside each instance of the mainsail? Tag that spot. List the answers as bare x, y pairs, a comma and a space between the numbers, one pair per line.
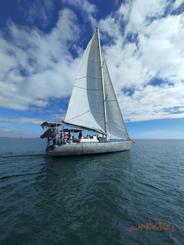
93, 103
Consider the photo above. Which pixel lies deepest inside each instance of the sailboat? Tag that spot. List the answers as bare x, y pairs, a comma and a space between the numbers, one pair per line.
93, 107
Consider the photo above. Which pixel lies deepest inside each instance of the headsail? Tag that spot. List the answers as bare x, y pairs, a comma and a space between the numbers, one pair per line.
86, 103
115, 125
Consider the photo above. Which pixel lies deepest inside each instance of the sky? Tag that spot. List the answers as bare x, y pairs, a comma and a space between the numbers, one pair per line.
41, 44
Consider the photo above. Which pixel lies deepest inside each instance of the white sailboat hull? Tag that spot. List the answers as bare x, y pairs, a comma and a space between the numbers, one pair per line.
89, 148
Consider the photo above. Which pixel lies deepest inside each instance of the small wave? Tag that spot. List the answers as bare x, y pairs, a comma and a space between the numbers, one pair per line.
150, 185
18, 175
13, 154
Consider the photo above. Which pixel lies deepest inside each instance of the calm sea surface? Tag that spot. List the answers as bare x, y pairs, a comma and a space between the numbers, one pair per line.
92, 200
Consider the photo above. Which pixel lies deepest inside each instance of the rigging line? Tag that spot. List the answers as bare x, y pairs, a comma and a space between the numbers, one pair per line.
97, 112
110, 100
80, 78
87, 88
78, 115
87, 77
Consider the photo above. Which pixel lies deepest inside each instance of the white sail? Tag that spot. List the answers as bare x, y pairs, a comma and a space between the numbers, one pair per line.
86, 107
115, 125
93, 103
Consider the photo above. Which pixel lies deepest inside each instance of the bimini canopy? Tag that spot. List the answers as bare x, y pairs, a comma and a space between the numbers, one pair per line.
50, 124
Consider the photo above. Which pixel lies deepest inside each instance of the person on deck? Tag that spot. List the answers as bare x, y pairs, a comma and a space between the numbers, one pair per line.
69, 135
73, 138
48, 141
65, 138
61, 137
80, 135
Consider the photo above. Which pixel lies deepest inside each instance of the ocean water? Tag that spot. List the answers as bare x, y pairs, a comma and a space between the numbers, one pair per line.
134, 197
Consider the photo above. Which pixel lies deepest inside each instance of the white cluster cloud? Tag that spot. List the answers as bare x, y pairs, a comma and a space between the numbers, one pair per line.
87, 10
84, 5
177, 4
35, 66
36, 121
37, 11
147, 43
152, 47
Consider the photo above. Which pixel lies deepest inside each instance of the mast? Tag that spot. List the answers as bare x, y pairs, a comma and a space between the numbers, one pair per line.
103, 85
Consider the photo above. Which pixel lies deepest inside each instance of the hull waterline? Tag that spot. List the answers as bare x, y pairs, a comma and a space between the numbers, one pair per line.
89, 148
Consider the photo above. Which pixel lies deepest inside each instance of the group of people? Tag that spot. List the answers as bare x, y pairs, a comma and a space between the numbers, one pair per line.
64, 138
70, 137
